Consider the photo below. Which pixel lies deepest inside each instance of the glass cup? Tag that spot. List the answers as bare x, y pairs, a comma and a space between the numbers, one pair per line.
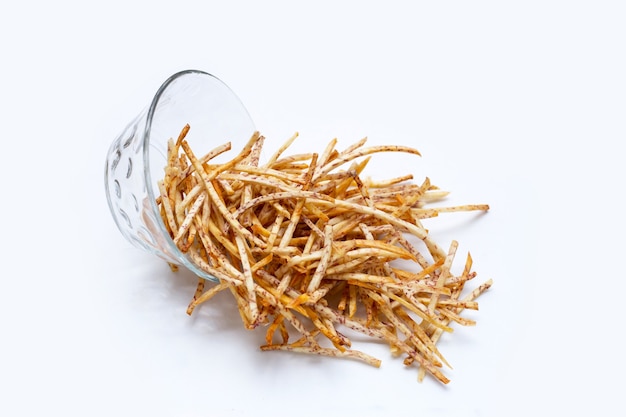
136, 159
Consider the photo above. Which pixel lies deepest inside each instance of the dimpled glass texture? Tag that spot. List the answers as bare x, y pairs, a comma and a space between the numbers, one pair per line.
136, 159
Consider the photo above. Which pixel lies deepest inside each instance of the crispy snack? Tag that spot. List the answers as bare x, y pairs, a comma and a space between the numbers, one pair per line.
308, 248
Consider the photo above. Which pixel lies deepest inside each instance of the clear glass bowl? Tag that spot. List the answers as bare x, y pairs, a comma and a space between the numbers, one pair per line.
136, 159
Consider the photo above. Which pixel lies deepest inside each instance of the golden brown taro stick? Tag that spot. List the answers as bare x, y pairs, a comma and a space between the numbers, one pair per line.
206, 296
466, 207
354, 354
295, 215
445, 272
248, 280
189, 218
281, 149
326, 156
187, 201
360, 153
170, 220
323, 264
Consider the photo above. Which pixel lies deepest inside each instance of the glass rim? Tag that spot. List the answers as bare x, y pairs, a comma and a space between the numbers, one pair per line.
172, 248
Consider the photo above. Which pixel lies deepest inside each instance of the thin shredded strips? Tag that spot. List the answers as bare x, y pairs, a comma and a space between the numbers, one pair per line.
308, 248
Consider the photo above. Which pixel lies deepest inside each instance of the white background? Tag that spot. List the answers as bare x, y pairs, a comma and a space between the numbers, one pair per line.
517, 104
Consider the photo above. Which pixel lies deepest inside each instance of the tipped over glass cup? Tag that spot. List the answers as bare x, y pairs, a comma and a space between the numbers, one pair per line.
136, 159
